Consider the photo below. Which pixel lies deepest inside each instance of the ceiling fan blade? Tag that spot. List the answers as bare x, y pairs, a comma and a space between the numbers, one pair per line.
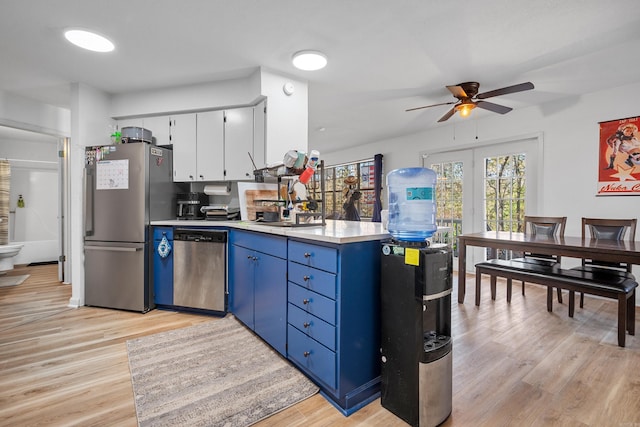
434, 105
458, 91
505, 90
496, 108
448, 115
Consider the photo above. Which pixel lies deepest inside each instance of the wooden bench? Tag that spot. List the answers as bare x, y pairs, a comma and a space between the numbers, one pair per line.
617, 285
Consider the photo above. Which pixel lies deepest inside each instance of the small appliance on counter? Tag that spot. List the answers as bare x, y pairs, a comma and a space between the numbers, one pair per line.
189, 205
221, 212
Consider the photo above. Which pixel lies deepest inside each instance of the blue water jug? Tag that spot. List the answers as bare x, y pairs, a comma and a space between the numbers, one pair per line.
412, 203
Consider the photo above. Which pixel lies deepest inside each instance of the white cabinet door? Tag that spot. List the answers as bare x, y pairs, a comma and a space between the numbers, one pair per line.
183, 137
159, 127
210, 146
260, 134
238, 144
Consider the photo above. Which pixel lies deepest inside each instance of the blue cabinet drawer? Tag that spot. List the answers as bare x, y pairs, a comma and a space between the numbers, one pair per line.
313, 303
313, 327
272, 245
314, 256
312, 356
318, 281
158, 232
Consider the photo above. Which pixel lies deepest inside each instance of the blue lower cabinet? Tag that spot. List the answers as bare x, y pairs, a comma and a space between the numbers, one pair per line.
316, 303
258, 285
162, 273
334, 319
312, 356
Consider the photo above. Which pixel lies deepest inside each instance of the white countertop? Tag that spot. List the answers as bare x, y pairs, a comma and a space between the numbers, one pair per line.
335, 231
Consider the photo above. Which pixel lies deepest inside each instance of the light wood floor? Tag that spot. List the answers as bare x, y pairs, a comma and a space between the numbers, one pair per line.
514, 365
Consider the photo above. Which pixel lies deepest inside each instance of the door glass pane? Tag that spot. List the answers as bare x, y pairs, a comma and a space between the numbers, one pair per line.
449, 201
504, 194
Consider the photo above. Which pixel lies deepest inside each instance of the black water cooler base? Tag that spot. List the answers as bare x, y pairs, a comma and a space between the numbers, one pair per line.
416, 368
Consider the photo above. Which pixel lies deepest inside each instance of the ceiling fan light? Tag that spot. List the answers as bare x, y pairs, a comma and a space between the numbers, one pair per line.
465, 108
88, 40
309, 60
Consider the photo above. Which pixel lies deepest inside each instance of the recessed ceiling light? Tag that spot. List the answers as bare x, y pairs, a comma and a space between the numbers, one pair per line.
309, 60
88, 40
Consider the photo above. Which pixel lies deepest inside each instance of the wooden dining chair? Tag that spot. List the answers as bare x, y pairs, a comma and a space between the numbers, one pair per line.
606, 229
542, 226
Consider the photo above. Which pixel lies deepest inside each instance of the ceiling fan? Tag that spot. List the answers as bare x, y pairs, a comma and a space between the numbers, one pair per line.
469, 98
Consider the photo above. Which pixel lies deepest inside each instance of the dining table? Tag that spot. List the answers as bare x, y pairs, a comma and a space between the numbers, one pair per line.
623, 251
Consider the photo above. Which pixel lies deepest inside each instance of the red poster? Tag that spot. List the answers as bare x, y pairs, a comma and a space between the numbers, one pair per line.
619, 158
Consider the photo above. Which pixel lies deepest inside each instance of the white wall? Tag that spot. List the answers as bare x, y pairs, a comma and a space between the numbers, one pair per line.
570, 161
190, 98
23, 113
287, 118
90, 125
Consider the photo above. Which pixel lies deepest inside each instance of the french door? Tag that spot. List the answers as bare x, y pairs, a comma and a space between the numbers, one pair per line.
487, 188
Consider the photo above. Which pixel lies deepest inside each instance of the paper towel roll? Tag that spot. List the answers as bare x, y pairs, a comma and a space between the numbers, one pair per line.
217, 190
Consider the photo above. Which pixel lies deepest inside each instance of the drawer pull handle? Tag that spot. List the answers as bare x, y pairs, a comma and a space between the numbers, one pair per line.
305, 324
305, 301
306, 354
306, 278
307, 254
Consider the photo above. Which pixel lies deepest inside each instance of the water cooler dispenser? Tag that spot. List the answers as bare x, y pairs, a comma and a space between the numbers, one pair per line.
416, 346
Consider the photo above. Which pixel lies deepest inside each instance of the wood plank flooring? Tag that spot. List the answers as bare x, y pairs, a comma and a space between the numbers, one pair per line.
514, 364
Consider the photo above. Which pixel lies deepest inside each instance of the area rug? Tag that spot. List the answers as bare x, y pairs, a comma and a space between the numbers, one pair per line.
12, 280
212, 374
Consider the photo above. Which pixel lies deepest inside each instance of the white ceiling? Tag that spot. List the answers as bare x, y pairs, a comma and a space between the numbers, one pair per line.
384, 56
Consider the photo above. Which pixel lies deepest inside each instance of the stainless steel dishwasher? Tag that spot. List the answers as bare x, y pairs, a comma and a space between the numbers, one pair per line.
200, 269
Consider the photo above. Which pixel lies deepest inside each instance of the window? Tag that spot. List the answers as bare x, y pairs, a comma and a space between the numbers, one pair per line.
335, 188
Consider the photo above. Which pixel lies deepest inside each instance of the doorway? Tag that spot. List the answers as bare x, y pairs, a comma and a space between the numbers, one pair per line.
36, 199
488, 187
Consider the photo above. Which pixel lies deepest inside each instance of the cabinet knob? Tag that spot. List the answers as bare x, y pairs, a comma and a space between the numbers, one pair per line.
249, 257
306, 354
305, 324
306, 278
255, 258
191, 177
305, 301
201, 176
307, 254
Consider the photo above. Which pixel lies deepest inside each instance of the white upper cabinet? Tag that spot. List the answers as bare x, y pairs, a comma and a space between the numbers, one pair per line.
160, 128
238, 144
213, 145
210, 146
260, 134
183, 137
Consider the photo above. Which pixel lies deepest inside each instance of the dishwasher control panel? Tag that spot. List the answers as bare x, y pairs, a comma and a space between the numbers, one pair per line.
191, 235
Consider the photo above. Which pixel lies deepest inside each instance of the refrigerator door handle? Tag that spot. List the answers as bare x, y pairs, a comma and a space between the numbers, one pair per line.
88, 201
112, 248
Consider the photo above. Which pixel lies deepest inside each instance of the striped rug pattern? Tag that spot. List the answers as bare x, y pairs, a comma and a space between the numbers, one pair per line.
212, 374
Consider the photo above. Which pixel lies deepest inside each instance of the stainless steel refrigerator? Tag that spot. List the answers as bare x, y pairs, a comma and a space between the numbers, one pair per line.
126, 187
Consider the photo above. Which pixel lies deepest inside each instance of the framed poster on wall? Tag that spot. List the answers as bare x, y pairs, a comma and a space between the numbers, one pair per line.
619, 158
